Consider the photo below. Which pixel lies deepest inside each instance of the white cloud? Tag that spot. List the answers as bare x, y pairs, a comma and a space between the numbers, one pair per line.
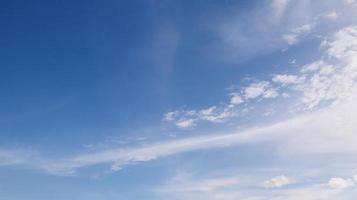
303, 29
215, 114
212, 114
286, 79
312, 67
277, 182
270, 93
343, 44
254, 90
170, 116
236, 99
208, 111
332, 82
263, 89
223, 112
290, 38
340, 183
186, 123
181, 119
331, 78
294, 34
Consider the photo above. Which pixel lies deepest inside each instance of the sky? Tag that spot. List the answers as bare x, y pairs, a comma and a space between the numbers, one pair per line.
178, 100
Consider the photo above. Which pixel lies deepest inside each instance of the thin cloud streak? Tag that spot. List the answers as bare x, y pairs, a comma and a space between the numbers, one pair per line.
287, 134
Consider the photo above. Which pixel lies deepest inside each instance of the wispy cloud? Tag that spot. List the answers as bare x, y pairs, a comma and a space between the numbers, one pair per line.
261, 89
278, 24
322, 82
333, 83
293, 35
277, 182
337, 137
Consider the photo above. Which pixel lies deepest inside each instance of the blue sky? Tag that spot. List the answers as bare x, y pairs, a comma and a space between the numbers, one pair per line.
178, 100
